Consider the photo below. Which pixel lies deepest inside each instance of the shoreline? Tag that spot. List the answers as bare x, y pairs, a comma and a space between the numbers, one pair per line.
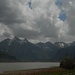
33, 71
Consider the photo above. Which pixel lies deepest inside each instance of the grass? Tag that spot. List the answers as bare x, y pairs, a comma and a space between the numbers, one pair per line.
47, 71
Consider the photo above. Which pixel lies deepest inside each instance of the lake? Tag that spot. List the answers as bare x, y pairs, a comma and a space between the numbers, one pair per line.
26, 65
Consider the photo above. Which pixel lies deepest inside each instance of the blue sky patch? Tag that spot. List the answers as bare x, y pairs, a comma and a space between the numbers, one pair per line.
58, 3
30, 4
62, 16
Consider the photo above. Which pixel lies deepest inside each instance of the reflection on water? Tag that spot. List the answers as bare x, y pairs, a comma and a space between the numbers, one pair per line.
26, 65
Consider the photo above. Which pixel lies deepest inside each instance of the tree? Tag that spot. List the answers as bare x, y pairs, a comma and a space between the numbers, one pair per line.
67, 63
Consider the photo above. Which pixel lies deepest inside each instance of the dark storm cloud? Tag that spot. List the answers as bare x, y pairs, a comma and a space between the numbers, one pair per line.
25, 33
9, 14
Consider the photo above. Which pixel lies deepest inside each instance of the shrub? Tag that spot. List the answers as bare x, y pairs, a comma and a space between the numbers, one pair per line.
67, 63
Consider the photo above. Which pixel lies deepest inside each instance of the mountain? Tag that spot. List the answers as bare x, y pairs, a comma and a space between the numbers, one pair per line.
64, 52
47, 46
61, 44
72, 43
24, 50
5, 57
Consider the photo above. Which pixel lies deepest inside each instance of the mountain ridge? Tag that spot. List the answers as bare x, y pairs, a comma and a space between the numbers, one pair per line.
24, 50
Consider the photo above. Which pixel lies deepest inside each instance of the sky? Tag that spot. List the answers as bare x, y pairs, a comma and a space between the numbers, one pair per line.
38, 20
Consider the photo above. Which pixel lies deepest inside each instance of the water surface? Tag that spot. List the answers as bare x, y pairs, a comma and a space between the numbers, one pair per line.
26, 65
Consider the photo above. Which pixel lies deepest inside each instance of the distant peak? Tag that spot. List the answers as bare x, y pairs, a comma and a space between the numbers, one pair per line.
40, 43
60, 44
6, 39
48, 42
16, 39
25, 40
73, 42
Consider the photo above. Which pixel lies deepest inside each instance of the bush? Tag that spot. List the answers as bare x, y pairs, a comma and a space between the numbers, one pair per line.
67, 63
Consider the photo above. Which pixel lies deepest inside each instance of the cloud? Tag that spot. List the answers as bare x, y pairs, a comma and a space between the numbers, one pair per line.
9, 12
69, 8
5, 32
41, 23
